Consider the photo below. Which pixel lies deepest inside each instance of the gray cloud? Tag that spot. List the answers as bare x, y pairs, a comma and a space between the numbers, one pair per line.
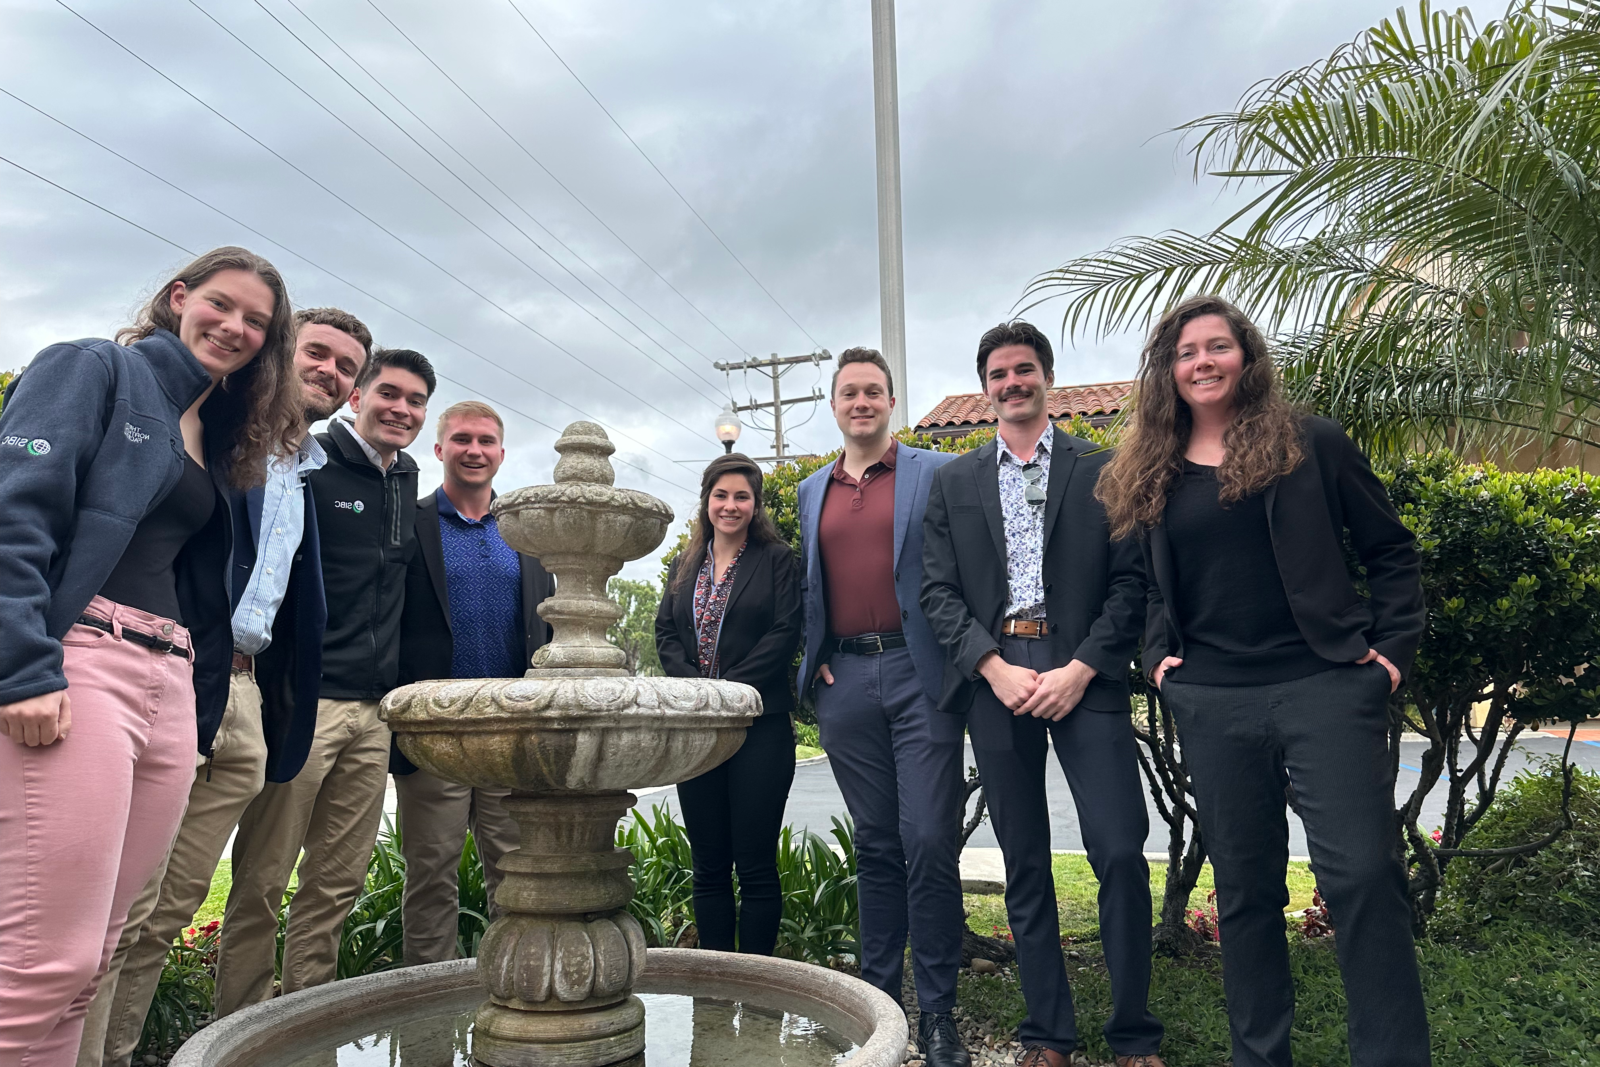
1031, 132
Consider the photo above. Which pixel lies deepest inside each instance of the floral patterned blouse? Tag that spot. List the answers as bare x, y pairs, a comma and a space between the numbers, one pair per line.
710, 601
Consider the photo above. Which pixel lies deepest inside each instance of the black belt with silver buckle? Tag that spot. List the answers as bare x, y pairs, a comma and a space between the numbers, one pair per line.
872, 644
150, 641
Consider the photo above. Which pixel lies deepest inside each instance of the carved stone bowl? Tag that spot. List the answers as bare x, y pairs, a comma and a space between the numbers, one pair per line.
543, 735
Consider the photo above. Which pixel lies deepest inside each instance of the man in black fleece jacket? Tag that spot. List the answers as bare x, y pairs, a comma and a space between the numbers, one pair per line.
366, 500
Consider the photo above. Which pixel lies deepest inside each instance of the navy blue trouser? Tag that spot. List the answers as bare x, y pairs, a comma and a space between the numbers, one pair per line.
1328, 736
732, 815
1096, 752
897, 760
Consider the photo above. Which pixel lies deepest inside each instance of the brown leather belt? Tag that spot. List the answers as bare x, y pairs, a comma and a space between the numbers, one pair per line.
242, 662
1025, 628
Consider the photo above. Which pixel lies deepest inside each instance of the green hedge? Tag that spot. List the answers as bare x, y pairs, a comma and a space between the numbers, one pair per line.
1556, 888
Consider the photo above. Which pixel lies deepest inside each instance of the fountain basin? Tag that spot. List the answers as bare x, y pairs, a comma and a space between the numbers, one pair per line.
317, 1021
553, 735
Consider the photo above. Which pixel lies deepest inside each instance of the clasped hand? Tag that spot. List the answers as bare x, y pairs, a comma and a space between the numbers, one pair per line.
1051, 695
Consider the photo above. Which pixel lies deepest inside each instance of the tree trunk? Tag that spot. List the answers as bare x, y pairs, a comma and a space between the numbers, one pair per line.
1167, 776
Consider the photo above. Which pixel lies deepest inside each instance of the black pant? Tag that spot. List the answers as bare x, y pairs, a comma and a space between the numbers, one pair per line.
732, 815
1096, 753
1326, 735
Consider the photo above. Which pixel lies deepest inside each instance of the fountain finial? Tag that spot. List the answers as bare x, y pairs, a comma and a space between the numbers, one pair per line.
583, 529
585, 450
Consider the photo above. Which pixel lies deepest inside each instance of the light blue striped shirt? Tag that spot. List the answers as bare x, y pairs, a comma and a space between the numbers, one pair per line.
283, 523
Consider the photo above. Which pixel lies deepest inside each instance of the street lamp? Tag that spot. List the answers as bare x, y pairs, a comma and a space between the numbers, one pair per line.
728, 427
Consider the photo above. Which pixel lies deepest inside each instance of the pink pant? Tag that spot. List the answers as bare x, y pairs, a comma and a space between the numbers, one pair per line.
84, 823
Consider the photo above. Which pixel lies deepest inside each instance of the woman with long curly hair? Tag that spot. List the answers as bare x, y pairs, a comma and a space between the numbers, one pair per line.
115, 642
1276, 669
731, 609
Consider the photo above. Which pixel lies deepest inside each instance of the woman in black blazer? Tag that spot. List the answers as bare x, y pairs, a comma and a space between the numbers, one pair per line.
1277, 671
731, 610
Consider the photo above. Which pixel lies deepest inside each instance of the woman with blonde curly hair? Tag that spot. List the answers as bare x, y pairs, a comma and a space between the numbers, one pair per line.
1276, 668
115, 641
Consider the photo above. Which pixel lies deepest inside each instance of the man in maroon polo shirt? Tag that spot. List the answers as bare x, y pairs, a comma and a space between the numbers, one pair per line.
875, 671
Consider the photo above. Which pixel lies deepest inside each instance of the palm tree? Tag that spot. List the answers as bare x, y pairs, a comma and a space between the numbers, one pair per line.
1424, 238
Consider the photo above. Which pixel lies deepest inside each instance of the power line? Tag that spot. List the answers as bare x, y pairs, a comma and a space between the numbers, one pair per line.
91, 203
659, 171
464, 217
396, 237
337, 277
518, 203
487, 203
775, 368
551, 175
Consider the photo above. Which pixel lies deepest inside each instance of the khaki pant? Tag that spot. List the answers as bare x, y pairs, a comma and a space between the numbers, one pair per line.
434, 817
222, 789
332, 809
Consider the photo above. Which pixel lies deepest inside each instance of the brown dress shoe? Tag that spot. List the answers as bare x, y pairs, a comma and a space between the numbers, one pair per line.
1041, 1056
1149, 1059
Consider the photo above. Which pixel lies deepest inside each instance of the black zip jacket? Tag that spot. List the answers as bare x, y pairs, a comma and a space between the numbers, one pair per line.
367, 521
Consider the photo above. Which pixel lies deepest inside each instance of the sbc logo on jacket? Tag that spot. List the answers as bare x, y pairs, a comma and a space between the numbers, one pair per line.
38, 446
356, 506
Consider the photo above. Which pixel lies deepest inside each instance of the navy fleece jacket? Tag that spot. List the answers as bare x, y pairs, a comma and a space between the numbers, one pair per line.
89, 443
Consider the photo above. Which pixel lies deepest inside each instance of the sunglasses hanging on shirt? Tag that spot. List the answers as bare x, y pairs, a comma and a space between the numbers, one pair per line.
1032, 491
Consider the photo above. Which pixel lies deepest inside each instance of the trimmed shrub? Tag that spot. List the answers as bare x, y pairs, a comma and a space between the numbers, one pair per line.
1511, 572
1556, 887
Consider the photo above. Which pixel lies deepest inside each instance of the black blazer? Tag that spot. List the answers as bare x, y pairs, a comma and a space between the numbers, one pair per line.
760, 628
426, 644
1094, 589
1308, 511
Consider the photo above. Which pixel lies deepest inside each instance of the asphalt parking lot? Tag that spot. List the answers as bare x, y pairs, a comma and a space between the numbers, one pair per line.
814, 799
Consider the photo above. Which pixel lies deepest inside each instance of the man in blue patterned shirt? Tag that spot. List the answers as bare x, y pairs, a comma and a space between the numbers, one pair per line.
469, 613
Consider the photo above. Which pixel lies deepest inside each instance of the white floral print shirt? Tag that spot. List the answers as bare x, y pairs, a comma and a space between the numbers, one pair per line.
1024, 524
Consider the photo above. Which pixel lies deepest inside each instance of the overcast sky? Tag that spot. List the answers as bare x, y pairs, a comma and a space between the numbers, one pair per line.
1032, 131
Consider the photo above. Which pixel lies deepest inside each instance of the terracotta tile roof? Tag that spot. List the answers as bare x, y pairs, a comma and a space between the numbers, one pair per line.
972, 409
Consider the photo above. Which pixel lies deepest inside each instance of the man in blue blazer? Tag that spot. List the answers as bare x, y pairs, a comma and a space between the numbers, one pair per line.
875, 669
279, 614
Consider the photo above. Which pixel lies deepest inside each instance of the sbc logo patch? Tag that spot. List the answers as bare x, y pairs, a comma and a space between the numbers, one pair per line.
38, 446
356, 506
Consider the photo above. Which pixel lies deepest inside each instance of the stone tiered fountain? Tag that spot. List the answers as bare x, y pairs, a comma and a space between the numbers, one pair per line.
569, 739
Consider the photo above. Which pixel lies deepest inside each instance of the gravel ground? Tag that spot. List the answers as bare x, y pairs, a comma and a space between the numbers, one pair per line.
986, 1050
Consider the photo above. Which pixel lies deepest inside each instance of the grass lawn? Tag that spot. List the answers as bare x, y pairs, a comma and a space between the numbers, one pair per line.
218, 897
1076, 890
1075, 894
1517, 996
1520, 997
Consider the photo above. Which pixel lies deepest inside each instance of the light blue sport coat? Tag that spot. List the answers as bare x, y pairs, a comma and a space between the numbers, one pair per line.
913, 475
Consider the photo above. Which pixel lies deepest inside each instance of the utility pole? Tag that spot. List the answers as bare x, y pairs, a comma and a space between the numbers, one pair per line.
775, 368
891, 255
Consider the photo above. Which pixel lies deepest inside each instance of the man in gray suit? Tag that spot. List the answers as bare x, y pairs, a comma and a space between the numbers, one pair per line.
875, 670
